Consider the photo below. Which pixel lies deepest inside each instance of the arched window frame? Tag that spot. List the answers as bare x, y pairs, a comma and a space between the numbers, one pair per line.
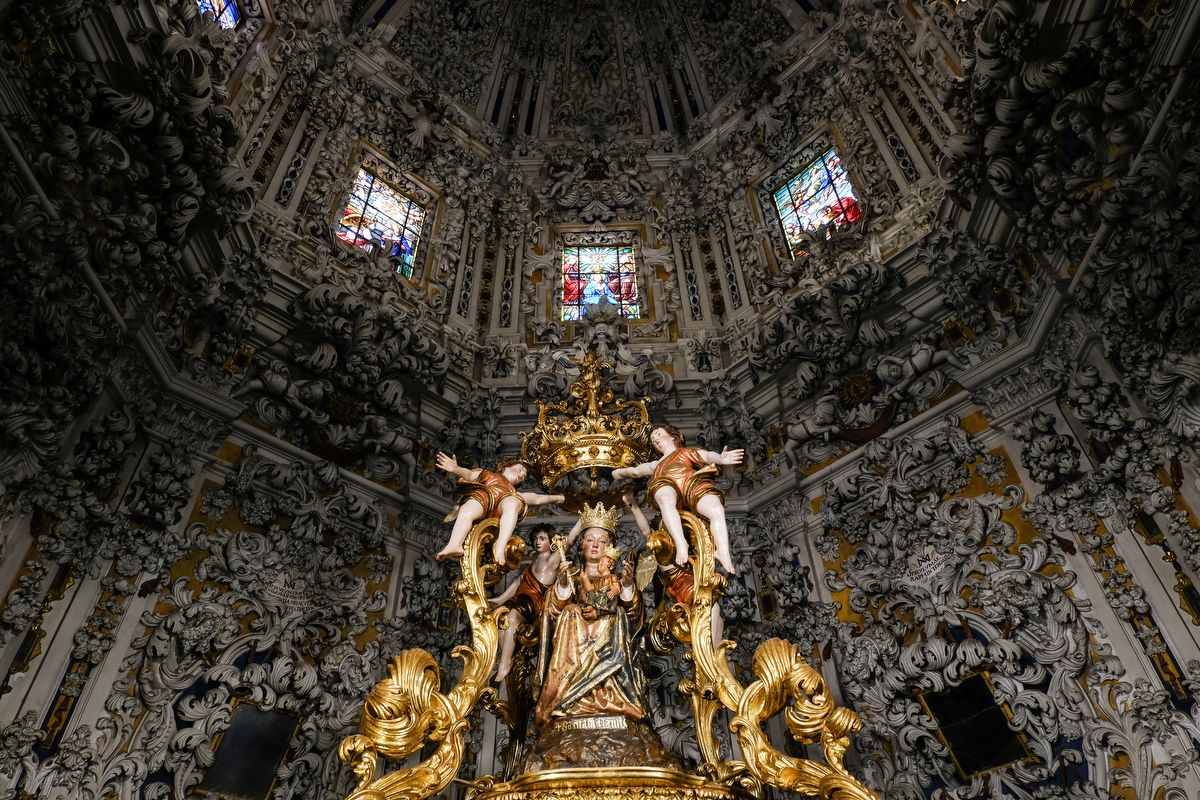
407, 185
788, 171
252, 18
613, 238
227, 13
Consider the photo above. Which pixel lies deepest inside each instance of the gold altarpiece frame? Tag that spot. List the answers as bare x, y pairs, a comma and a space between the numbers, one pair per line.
407, 709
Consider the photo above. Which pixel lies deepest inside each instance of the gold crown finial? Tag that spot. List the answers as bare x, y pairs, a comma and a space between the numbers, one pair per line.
591, 429
599, 516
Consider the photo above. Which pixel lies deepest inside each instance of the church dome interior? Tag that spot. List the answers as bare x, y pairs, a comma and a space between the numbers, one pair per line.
930, 268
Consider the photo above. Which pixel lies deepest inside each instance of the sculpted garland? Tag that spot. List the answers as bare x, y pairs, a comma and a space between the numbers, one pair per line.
586, 694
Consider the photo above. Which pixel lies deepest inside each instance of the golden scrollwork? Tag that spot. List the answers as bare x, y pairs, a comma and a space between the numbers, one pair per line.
407, 708
785, 682
617, 783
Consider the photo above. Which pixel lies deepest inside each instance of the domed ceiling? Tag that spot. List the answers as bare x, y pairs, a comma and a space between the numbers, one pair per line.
759, 212
550, 70
933, 264
733, 203
680, 134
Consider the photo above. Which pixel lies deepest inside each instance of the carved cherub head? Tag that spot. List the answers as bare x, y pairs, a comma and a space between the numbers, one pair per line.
512, 469
541, 538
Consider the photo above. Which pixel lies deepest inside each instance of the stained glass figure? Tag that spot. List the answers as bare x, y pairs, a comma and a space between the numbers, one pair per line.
224, 11
819, 196
593, 273
378, 215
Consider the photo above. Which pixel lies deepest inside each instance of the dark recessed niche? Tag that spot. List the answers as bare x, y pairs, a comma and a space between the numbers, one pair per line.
974, 727
249, 753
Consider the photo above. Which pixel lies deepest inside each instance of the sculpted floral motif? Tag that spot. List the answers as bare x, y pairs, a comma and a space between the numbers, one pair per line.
826, 327
934, 563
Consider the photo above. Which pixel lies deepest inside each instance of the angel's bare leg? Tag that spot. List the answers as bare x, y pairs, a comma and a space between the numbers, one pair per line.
789, 453
508, 643
510, 509
666, 498
711, 508
468, 514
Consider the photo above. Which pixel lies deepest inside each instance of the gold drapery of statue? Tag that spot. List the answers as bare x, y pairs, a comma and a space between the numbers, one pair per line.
591, 670
407, 708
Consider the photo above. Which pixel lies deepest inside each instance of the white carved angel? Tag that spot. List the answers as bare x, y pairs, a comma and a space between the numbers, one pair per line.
382, 438
899, 373
426, 118
275, 381
821, 423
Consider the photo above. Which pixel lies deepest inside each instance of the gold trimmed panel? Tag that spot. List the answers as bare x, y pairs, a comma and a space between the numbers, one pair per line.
626, 783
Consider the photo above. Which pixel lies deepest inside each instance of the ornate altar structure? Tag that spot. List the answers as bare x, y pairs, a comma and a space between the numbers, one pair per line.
408, 713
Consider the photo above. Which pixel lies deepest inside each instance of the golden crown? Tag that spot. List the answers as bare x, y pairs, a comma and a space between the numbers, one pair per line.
589, 430
598, 516
613, 553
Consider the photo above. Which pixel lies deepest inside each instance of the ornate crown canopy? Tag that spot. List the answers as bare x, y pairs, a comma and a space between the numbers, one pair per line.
589, 430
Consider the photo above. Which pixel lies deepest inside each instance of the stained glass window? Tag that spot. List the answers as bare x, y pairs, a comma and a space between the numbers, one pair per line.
224, 11
593, 273
377, 214
821, 194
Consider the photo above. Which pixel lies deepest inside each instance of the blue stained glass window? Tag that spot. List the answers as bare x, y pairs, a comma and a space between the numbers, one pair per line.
820, 195
377, 214
593, 273
224, 11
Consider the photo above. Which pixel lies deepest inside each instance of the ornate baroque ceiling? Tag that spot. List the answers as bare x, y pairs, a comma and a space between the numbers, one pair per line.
527, 129
970, 410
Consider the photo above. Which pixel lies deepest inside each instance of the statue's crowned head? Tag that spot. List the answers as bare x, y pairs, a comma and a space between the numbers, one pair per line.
599, 516
612, 553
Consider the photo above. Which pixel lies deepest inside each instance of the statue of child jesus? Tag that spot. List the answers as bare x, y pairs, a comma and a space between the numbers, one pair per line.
526, 596
602, 591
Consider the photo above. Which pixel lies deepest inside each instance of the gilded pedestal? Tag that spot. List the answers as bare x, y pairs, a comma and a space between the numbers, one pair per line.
617, 783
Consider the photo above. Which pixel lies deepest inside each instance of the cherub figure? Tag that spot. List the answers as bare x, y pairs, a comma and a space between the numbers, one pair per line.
382, 439
681, 478
822, 423
900, 373
526, 596
489, 494
601, 591
274, 380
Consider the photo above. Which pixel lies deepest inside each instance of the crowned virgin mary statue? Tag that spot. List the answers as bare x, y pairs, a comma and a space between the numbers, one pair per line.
591, 709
